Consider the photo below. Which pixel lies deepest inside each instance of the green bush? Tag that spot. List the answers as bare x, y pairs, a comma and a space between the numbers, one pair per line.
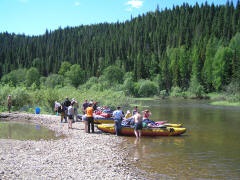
176, 91
21, 97
128, 85
163, 93
15, 77
196, 89
147, 88
32, 76
91, 82
53, 80
233, 91
113, 74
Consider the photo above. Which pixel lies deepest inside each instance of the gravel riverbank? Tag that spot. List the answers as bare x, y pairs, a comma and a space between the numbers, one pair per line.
78, 156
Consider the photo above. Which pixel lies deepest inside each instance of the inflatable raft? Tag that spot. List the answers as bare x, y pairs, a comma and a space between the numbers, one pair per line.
149, 131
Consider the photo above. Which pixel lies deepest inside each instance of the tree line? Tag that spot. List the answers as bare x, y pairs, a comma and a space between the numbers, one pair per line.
186, 46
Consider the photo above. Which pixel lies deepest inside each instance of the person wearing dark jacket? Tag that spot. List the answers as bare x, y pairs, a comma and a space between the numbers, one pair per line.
61, 110
67, 102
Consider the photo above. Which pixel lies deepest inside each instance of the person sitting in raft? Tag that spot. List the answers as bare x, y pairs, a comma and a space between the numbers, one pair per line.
146, 114
128, 119
128, 114
146, 121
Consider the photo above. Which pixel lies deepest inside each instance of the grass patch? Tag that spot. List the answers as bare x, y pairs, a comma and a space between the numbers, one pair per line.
142, 99
225, 103
217, 96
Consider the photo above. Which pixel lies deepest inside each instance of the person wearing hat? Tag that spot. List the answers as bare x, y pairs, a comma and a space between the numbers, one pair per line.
118, 116
128, 114
9, 103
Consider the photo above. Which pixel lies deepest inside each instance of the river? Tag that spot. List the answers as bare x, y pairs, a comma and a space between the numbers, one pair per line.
210, 148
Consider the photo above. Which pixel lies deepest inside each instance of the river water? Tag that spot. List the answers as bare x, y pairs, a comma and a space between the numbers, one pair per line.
25, 131
210, 149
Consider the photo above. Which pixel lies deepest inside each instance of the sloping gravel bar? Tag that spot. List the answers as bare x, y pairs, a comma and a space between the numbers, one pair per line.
79, 155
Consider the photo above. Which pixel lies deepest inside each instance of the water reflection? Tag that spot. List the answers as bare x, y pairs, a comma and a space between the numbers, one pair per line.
38, 127
209, 149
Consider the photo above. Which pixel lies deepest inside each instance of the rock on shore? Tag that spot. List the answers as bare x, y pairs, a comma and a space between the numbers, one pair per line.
78, 156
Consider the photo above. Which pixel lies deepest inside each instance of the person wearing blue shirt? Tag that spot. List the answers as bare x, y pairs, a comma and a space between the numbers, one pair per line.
118, 116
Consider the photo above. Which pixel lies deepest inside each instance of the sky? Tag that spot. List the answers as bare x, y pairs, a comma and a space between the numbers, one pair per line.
34, 17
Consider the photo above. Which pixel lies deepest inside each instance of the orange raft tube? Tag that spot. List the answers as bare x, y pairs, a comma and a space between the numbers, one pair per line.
156, 131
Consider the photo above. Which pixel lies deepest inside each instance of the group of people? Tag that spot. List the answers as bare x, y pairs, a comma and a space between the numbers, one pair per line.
138, 118
69, 112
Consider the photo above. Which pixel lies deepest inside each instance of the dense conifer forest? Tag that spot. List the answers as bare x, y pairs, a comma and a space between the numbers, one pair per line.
184, 47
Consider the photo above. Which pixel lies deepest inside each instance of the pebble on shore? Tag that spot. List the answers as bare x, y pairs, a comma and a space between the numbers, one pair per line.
78, 156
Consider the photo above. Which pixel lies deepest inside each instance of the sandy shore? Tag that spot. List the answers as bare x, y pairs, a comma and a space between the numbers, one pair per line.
78, 156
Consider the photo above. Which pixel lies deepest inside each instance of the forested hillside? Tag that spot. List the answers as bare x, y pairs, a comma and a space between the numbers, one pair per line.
174, 47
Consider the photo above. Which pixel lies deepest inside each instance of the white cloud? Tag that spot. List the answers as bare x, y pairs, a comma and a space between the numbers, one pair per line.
134, 4
77, 3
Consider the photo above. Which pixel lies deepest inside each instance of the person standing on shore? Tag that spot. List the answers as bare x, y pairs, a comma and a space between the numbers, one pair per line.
84, 106
95, 105
56, 107
70, 116
9, 103
90, 120
137, 125
118, 116
62, 110
67, 103
75, 107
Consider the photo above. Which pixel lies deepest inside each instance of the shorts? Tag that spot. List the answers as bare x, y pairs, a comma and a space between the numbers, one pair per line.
138, 126
70, 117
84, 118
